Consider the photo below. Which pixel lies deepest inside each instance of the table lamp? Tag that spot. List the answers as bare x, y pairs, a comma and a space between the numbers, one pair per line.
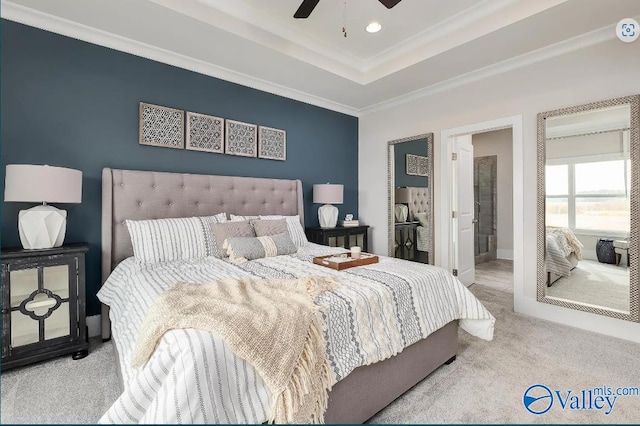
328, 194
42, 226
402, 198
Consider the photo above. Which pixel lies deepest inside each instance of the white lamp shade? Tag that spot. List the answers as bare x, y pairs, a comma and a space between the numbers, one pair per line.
328, 193
37, 184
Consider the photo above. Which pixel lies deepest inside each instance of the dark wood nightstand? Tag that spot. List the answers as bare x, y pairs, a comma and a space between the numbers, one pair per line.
340, 236
406, 238
43, 304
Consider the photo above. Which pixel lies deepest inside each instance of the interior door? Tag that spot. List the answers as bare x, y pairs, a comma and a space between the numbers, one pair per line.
464, 256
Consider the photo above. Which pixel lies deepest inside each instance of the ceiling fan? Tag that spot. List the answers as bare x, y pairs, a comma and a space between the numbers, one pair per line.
307, 7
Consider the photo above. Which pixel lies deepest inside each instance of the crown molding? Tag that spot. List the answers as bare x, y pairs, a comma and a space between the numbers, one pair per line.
272, 33
34, 18
27, 16
484, 18
582, 41
278, 34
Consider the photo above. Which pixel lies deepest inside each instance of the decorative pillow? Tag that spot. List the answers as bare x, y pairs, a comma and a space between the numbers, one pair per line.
236, 218
269, 227
222, 231
296, 231
422, 218
243, 249
165, 240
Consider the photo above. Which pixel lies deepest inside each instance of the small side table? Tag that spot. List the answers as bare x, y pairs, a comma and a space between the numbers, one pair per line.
621, 247
43, 304
340, 236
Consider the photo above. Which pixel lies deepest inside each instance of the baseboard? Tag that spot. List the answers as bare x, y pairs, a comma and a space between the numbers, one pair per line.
93, 322
589, 255
504, 254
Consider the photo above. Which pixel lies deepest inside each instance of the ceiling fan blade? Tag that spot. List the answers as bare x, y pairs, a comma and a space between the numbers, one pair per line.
389, 3
305, 9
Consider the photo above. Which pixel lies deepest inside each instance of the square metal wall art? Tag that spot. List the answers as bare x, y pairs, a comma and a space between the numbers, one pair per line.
161, 126
241, 138
205, 133
417, 165
272, 143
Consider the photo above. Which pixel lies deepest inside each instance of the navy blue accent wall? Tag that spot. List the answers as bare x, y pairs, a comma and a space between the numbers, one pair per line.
74, 104
401, 150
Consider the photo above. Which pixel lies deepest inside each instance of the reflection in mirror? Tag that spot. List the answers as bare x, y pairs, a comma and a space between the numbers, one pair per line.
588, 161
410, 165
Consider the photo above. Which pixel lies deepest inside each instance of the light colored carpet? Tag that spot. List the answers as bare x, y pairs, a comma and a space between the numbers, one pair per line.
595, 283
496, 274
484, 385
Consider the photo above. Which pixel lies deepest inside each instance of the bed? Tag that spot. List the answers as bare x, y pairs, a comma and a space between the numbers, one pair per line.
563, 252
191, 390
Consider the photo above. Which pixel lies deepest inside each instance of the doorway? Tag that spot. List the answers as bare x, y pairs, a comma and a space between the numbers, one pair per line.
452, 189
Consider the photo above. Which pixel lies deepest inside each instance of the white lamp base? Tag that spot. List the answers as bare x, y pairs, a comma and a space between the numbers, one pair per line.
328, 216
42, 227
401, 212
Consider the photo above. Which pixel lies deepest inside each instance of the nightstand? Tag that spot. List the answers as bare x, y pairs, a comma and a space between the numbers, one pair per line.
340, 236
43, 304
406, 238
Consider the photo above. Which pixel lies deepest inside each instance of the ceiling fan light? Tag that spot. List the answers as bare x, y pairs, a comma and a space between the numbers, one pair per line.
373, 27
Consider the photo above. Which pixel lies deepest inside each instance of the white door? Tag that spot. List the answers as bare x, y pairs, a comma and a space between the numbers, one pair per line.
463, 231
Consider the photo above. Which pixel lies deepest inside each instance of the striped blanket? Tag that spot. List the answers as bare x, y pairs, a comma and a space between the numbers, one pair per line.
193, 376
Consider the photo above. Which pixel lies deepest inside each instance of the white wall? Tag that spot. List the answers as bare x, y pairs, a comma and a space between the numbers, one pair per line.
595, 73
499, 143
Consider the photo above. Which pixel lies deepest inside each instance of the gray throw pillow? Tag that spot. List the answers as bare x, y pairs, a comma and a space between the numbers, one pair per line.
243, 249
269, 227
222, 231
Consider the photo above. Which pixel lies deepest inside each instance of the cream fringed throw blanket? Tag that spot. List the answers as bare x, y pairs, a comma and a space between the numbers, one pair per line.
274, 325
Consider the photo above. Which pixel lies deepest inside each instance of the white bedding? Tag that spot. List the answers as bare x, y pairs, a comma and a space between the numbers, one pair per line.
377, 311
561, 244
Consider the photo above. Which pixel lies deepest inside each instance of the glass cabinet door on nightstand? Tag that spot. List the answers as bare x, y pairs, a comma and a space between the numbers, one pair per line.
42, 304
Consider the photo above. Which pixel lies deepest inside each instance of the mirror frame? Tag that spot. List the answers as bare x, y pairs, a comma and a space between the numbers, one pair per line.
391, 190
634, 242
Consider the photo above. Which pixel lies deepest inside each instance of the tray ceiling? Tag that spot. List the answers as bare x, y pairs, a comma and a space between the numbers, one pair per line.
424, 45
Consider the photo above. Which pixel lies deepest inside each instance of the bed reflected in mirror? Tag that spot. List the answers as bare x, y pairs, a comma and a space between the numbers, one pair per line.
588, 161
410, 198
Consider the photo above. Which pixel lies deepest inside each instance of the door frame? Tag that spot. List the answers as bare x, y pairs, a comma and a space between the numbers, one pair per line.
445, 248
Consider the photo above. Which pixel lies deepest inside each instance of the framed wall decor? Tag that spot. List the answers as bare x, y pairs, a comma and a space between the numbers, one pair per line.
272, 143
161, 126
205, 133
417, 165
241, 138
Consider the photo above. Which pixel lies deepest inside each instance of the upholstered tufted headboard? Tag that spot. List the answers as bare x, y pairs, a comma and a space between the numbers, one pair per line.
137, 195
419, 197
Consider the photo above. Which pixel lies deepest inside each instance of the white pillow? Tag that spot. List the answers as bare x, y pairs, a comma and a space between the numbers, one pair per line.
296, 231
236, 218
165, 240
422, 218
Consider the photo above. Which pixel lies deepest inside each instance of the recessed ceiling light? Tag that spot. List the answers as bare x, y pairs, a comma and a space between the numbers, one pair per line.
373, 27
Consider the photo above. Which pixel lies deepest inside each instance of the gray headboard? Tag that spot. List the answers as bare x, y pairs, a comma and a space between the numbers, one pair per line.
137, 195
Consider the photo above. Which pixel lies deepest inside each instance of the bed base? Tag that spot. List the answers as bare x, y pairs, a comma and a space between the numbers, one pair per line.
370, 388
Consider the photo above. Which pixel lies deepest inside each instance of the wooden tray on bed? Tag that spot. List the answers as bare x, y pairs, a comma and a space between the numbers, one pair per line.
348, 262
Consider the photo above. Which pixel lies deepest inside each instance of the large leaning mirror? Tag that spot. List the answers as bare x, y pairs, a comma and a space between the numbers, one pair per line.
588, 193
410, 169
